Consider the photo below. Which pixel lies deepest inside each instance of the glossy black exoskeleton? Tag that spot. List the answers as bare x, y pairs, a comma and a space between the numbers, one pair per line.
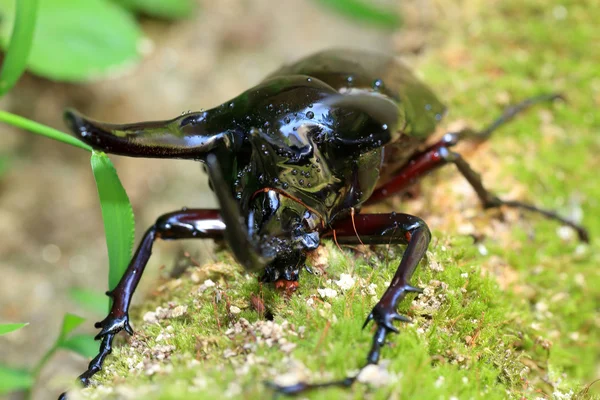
292, 161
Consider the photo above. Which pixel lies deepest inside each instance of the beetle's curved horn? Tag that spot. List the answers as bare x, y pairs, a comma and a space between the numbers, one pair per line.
186, 137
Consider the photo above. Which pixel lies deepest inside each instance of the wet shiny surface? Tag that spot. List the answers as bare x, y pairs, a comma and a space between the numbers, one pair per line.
300, 149
292, 132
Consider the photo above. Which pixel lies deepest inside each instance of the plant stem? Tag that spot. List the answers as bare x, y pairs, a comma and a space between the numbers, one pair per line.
35, 372
40, 129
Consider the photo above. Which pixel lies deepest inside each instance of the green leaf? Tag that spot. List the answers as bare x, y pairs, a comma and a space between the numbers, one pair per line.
8, 328
12, 380
117, 215
90, 299
169, 9
40, 129
77, 40
70, 322
19, 45
364, 10
84, 345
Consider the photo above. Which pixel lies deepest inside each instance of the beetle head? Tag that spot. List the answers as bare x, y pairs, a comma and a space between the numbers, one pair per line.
285, 226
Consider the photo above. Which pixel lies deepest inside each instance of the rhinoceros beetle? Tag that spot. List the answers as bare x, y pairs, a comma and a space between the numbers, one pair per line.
292, 161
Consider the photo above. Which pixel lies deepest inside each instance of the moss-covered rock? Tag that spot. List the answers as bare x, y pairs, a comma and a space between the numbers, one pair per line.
512, 316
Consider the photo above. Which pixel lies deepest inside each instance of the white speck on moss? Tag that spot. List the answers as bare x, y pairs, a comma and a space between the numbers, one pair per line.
152, 317
482, 249
233, 390
297, 372
288, 347
177, 312
346, 282
229, 353
327, 293
434, 265
200, 382
565, 233
541, 307
439, 382
558, 395
234, 310
579, 280
209, 283
377, 374
372, 289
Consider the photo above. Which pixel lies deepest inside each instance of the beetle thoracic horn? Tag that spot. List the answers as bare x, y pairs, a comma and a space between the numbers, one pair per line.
185, 137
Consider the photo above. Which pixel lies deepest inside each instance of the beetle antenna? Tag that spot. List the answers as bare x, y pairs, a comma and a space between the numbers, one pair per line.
352, 213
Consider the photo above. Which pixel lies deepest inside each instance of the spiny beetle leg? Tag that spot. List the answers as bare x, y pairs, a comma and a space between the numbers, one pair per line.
508, 115
428, 160
439, 155
183, 224
490, 200
379, 229
401, 228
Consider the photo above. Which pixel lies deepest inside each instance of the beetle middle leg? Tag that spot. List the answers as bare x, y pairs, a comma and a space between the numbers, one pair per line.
380, 229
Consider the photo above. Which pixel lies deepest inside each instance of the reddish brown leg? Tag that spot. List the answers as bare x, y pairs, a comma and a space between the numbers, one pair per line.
380, 229
434, 157
439, 155
184, 224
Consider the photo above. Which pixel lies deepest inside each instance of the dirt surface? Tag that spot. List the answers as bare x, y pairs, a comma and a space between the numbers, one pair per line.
51, 235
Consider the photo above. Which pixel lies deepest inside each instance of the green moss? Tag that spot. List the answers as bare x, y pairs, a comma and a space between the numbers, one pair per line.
520, 321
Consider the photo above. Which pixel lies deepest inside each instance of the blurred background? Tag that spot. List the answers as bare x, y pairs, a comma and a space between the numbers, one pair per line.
188, 58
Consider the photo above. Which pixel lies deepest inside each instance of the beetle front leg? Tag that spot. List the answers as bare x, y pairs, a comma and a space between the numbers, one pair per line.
388, 229
380, 229
184, 224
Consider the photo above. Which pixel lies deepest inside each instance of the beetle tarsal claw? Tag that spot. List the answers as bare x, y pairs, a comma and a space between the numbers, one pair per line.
400, 317
413, 289
369, 319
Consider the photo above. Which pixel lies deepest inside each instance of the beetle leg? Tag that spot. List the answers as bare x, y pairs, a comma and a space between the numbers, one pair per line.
508, 115
184, 224
439, 155
490, 200
380, 229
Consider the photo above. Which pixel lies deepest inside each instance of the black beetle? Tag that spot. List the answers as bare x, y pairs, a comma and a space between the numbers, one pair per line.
292, 161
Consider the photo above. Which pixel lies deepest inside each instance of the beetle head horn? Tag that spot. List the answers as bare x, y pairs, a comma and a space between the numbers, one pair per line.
186, 137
